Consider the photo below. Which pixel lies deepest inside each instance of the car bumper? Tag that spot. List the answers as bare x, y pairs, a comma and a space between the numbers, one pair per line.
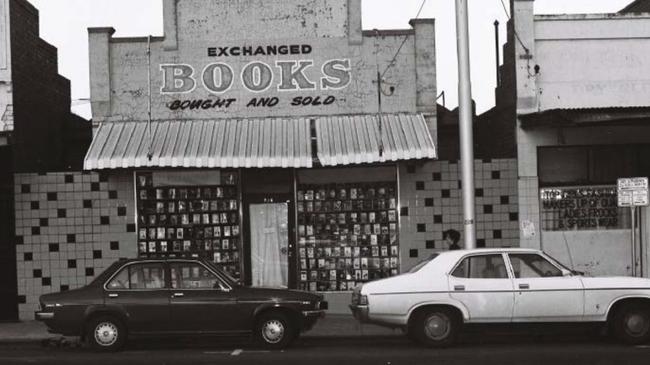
360, 313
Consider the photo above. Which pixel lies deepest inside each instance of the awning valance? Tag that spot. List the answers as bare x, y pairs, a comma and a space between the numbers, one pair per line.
269, 142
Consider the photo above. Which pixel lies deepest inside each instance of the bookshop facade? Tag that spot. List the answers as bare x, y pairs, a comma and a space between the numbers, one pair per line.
274, 151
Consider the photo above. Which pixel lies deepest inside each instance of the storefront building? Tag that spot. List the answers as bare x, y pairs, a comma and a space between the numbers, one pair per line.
583, 120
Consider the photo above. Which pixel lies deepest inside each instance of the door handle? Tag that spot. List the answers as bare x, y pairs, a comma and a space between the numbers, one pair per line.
113, 295
176, 295
524, 286
459, 287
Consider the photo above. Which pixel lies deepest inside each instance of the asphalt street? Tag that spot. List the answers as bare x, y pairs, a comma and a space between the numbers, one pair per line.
393, 350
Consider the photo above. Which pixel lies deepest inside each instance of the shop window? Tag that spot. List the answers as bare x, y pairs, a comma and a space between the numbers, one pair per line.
190, 214
347, 228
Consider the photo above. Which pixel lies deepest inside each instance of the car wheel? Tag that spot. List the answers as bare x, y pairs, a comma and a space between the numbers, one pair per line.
105, 334
632, 323
274, 330
435, 327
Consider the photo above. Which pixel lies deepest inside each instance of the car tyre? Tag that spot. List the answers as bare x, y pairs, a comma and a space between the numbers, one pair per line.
106, 334
274, 330
437, 327
631, 323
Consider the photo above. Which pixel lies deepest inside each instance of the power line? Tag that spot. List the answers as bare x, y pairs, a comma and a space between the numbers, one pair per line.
392, 62
505, 10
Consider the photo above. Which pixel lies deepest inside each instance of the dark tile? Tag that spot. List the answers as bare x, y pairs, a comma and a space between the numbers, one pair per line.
121, 211
414, 253
53, 247
104, 220
90, 271
52, 196
69, 179
487, 160
43, 222
130, 227
514, 216
437, 218
410, 169
431, 244
496, 233
428, 202
404, 211
421, 227
88, 203
103, 177
72, 264
112, 194
37, 273
97, 254
35, 205
64, 288
94, 186
61, 213
28, 256
478, 192
445, 193
19, 240
46, 281
25, 189
454, 162
487, 209
480, 243
22, 299
115, 245
437, 176
71, 238
419, 185
460, 184
496, 175
36, 231
505, 199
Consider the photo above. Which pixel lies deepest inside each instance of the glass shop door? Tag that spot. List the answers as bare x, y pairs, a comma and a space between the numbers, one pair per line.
269, 237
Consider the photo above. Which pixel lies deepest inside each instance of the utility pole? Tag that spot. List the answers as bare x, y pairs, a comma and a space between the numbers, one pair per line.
465, 124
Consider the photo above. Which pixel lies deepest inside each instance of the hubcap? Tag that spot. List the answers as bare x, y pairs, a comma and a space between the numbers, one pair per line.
106, 334
437, 326
273, 331
636, 324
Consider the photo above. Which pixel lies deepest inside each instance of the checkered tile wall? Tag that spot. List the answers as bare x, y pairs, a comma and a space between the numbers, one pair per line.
430, 201
69, 227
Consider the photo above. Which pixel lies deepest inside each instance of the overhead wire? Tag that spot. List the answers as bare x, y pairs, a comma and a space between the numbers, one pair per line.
399, 49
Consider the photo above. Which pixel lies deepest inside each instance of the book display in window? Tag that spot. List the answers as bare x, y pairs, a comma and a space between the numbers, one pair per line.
347, 234
197, 221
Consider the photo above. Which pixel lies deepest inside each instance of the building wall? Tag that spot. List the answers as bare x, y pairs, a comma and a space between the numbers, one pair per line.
69, 227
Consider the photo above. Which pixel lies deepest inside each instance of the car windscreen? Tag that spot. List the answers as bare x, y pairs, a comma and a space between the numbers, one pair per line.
422, 263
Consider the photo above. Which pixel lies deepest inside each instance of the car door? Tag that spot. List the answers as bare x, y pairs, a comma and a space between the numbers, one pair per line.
140, 291
482, 284
201, 301
542, 291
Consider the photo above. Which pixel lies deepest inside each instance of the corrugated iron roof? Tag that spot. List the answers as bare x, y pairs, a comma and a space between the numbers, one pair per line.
273, 142
355, 139
264, 142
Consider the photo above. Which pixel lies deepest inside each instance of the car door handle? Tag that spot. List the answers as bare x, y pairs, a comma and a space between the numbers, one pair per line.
459, 287
524, 286
113, 295
177, 295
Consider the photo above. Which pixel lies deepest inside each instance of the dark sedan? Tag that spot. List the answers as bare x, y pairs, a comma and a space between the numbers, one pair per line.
177, 297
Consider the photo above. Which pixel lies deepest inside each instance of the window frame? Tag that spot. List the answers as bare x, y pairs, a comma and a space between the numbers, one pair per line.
224, 286
503, 257
128, 265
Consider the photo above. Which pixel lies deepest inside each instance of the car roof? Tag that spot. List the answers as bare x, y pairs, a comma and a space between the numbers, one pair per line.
496, 249
143, 259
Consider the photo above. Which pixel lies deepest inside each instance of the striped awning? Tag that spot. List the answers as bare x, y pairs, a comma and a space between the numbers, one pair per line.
264, 142
345, 140
206, 143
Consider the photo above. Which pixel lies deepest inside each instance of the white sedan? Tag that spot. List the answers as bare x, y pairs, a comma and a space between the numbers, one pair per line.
437, 297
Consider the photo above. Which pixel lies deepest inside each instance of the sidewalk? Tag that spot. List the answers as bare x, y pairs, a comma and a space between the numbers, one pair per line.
333, 325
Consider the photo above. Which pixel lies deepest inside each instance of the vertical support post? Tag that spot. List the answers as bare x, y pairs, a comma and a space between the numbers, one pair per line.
465, 124
498, 53
633, 214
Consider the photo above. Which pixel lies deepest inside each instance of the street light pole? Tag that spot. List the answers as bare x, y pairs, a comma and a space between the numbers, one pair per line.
465, 124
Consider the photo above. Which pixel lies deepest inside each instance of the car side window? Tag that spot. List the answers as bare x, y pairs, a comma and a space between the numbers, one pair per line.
533, 266
190, 275
482, 267
139, 276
